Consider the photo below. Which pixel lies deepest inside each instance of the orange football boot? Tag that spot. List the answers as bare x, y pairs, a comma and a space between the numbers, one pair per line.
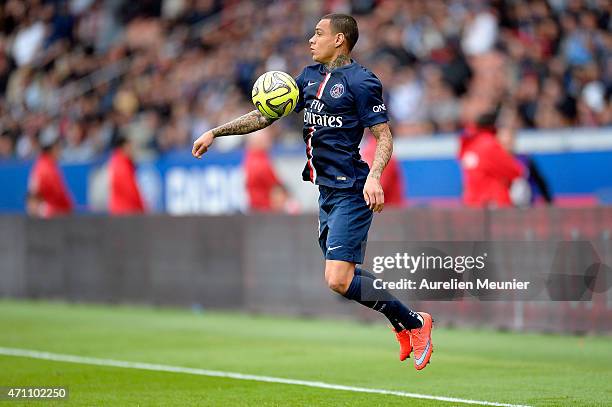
403, 337
421, 342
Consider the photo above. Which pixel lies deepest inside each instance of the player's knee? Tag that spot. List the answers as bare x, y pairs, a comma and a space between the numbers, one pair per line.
337, 284
338, 276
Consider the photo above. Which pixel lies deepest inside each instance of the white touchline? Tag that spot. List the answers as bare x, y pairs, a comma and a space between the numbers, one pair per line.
58, 357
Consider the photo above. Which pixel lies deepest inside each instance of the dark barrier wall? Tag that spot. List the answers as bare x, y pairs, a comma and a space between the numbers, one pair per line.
272, 264
157, 260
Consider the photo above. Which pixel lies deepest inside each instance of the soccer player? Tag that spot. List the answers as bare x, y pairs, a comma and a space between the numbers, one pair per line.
340, 99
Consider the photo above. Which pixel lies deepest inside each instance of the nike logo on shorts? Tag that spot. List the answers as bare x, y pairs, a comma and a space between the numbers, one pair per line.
333, 248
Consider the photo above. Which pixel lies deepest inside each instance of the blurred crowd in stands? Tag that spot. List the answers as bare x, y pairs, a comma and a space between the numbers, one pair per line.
160, 72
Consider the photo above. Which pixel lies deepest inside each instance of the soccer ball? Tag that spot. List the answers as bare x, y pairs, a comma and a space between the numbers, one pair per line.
275, 94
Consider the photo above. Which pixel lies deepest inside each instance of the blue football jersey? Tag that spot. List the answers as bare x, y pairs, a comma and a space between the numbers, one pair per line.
338, 105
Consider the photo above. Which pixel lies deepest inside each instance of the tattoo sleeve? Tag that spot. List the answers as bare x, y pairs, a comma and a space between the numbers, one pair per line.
244, 124
384, 148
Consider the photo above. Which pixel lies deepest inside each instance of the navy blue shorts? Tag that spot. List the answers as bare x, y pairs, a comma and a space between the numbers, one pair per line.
344, 222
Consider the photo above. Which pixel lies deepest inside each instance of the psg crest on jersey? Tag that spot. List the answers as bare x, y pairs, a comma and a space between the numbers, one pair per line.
337, 90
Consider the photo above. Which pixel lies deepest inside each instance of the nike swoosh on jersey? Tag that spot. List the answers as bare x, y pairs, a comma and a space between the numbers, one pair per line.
311, 83
333, 248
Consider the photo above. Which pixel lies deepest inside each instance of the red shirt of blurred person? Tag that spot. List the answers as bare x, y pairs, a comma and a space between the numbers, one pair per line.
391, 179
125, 196
48, 193
261, 179
488, 169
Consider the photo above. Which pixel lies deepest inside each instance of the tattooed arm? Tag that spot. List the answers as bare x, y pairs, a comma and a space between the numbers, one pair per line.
247, 123
372, 191
384, 149
244, 124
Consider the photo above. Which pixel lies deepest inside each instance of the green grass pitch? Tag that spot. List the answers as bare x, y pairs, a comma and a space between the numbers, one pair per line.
538, 370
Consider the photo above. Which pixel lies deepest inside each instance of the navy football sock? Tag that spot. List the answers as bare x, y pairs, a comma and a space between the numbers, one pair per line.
364, 273
391, 307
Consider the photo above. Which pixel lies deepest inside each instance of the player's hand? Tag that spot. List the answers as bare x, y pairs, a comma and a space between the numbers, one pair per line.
373, 194
201, 145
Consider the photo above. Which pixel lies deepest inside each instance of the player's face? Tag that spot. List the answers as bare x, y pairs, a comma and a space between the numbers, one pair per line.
323, 42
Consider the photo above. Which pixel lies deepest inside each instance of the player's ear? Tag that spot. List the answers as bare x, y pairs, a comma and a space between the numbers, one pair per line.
340, 39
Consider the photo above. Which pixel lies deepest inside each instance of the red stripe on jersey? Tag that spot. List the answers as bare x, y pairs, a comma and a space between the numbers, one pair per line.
322, 85
311, 130
309, 154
